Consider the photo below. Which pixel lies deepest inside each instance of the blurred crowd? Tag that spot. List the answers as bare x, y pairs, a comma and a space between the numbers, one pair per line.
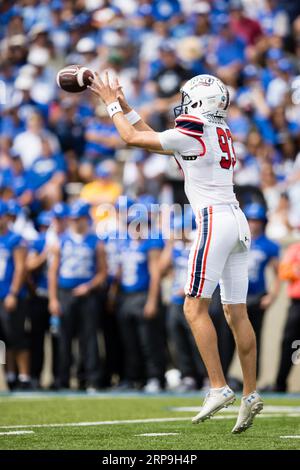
62, 161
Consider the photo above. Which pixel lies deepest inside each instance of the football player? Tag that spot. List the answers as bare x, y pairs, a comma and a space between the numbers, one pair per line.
202, 144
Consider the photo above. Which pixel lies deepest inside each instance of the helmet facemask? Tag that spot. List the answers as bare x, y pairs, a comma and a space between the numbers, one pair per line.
186, 105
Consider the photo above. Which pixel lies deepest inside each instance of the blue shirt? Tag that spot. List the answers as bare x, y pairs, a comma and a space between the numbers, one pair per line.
180, 256
228, 52
111, 246
44, 168
96, 149
134, 256
17, 182
78, 260
262, 250
40, 276
8, 244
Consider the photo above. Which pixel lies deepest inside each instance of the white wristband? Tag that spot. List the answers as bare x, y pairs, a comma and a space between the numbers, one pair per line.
114, 108
133, 117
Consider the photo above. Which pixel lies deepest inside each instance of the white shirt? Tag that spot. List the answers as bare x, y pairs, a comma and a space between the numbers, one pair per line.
204, 150
29, 146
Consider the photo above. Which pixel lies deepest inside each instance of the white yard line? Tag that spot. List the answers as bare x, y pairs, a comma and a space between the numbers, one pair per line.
289, 437
267, 408
154, 434
134, 421
15, 433
95, 423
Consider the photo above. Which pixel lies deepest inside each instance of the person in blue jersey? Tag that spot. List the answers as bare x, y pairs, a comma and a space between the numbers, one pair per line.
13, 303
140, 316
47, 175
264, 254
182, 344
17, 179
37, 265
76, 271
60, 219
110, 295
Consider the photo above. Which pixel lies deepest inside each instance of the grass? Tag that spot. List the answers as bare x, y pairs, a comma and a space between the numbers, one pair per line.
45, 409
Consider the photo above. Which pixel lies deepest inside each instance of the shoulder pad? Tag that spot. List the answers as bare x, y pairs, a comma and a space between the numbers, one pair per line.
190, 125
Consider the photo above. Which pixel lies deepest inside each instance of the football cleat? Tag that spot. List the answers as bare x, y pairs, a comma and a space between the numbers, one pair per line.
215, 400
251, 405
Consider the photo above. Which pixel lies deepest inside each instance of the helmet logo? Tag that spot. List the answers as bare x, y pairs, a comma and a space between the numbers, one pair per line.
203, 81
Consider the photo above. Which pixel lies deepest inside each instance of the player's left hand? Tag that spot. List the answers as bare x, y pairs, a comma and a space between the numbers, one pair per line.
81, 290
150, 309
102, 88
266, 301
10, 303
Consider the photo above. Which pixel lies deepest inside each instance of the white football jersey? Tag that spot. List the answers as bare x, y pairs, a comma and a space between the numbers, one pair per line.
204, 150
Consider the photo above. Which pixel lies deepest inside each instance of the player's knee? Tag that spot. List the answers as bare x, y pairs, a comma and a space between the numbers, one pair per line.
234, 313
193, 307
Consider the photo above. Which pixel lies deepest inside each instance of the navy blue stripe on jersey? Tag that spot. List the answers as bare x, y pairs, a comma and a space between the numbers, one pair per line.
198, 268
188, 123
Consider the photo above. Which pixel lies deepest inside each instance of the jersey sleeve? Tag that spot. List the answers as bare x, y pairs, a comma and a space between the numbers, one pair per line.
274, 250
185, 139
156, 244
17, 242
36, 246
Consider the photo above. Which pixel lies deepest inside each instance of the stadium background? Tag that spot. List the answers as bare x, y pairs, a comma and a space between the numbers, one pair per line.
153, 47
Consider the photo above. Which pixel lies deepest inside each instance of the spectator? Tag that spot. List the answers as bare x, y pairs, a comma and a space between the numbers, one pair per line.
28, 144
273, 18
13, 308
17, 179
289, 271
101, 142
47, 175
104, 189
229, 54
246, 28
37, 265
183, 345
140, 316
60, 220
76, 271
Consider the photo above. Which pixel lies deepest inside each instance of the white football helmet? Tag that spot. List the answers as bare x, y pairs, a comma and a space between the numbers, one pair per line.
203, 95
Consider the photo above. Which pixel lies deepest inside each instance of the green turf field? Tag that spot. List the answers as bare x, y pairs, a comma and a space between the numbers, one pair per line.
107, 421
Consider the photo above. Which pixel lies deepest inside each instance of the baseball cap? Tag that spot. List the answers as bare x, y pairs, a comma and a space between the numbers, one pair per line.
103, 170
274, 54
167, 46
60, 210
80, 208
44, 218
202, 8
284, 65
13, 207
255, 211
38, 56
24, 82
250, 71
85, 45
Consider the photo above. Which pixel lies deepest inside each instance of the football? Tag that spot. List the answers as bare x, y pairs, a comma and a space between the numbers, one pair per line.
74, 78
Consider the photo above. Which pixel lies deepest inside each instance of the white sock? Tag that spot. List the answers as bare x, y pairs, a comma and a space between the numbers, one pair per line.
24, 378
245, 396
218, 389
